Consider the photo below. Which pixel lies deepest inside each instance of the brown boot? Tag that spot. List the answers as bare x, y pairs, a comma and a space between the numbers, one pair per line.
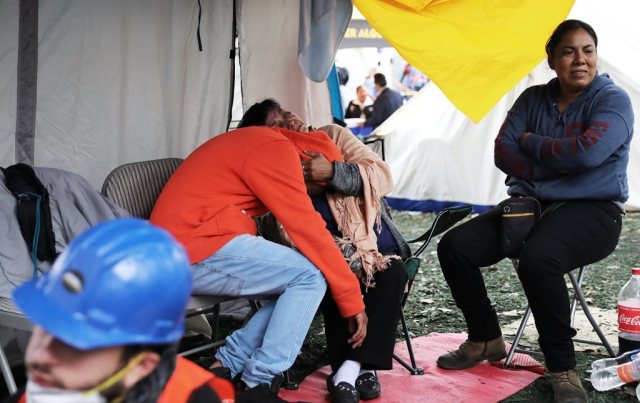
567, 387
471, 353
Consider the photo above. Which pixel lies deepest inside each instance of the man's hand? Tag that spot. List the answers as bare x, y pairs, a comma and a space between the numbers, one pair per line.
317, 168
357, 326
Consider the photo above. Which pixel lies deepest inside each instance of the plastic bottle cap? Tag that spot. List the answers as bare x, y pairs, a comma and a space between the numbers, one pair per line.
635, 271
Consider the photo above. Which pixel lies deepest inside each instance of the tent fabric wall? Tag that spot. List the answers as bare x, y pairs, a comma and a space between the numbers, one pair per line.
437, 155
120, 81
27, 81
321, 29
268, 43
8, 74
123, 81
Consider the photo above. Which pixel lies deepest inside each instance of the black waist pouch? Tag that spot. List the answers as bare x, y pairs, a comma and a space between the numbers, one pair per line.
519, 215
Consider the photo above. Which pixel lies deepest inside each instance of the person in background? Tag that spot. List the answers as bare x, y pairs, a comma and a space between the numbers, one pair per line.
369, 84
209, 204
566, 143
360, 107
102, 334
348, 195
411, 79
343, 79
387, 101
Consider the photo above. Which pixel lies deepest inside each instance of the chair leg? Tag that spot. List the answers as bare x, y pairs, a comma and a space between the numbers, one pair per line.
6, 372
587, 312
413, 368
216, 322
574, 300
516, 339
578, 297
288, 383
215, 327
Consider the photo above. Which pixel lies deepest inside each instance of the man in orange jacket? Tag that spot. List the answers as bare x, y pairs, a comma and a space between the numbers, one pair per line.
102, 334
209, 205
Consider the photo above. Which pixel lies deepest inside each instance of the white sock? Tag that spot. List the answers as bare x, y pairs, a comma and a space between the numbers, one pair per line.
348, 372
367, 371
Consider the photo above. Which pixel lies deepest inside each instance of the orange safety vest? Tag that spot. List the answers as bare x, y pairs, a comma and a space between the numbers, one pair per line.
188, 377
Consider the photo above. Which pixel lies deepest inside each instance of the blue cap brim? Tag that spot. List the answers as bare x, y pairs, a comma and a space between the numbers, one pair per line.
74, 331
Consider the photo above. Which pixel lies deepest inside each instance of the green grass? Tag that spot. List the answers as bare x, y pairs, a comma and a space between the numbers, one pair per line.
431, 308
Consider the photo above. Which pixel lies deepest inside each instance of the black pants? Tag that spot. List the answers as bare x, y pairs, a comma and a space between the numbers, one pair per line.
574, 234
382, 305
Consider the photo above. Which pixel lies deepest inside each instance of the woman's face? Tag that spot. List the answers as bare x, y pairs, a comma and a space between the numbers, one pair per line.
362, 94
574, 60
287, 120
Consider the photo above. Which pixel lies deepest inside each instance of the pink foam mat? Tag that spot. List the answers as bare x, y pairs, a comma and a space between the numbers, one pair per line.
483, 383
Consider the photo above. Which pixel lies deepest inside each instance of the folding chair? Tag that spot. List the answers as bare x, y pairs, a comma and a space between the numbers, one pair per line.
376, 144
578, 296
11, 317
136, 187
444, 220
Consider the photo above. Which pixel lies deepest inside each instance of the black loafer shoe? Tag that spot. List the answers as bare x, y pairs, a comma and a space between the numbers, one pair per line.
368, 386
342, 392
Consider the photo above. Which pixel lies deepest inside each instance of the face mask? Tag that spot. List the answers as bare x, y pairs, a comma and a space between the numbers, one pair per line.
40, 394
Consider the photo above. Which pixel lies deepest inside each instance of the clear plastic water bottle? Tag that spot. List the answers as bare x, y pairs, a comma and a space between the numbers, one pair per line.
612, 377
611, 362
629, 314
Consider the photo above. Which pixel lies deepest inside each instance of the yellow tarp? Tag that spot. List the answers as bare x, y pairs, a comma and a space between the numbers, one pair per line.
474, 50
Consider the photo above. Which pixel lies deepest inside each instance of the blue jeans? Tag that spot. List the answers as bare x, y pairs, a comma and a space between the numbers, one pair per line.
252, 267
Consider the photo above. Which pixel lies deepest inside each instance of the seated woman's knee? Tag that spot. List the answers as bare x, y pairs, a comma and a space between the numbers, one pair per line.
394, 275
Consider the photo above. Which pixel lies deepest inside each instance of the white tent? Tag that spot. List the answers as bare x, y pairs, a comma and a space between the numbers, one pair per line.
438, 156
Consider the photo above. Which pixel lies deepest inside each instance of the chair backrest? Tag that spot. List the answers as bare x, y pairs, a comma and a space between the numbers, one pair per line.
444, 220
137, 185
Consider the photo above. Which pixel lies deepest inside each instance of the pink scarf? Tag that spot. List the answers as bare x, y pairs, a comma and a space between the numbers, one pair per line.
357, 215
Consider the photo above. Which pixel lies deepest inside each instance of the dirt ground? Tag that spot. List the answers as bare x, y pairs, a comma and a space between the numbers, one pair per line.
431, 308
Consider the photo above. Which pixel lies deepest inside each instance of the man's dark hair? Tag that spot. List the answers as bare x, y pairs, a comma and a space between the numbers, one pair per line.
131, 350
148, 389
565, 27
257, 114
380, 79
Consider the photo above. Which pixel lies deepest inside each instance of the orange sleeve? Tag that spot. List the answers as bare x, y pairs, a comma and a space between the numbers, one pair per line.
274, 173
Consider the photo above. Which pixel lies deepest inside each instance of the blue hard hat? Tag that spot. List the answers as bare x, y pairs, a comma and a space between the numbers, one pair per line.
121, 282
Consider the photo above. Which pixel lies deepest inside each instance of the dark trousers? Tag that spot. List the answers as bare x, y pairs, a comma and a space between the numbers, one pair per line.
382, 305
568, 236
